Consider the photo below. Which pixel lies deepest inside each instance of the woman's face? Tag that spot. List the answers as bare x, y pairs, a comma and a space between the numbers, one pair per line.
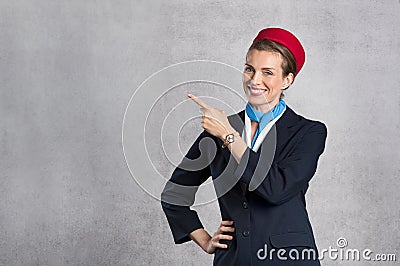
263, 81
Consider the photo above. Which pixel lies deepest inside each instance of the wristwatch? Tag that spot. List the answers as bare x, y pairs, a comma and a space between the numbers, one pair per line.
229, 138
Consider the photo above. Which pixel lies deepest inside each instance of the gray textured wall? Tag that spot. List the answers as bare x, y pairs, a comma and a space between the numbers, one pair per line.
69, 68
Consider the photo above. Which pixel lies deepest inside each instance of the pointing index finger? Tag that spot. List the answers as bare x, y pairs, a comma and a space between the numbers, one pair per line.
198, 101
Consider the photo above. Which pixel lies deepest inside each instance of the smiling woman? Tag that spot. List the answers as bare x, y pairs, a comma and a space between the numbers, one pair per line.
270, 215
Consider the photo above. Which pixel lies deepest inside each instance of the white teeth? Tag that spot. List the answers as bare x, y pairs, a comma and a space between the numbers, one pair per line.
256, 90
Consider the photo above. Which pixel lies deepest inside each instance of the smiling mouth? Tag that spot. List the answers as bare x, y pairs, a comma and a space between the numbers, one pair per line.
256, 91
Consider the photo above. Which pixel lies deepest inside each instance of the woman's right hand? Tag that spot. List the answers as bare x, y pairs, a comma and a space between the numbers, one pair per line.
213, 243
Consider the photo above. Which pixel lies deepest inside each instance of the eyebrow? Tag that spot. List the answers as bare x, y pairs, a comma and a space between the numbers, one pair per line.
264, 68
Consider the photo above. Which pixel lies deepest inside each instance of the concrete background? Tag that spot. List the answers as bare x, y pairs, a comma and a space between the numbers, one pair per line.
69, 68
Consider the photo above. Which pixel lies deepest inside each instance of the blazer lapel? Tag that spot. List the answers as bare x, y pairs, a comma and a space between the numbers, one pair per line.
285, 126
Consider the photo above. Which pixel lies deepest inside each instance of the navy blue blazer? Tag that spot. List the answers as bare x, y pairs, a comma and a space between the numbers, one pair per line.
267, 218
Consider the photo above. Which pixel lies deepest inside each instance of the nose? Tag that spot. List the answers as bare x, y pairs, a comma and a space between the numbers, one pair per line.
256, 78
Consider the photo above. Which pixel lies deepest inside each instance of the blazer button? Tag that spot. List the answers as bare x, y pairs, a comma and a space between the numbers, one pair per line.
245, 205
245, 233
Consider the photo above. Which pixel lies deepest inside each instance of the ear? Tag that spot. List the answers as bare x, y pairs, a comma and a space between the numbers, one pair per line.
287, 81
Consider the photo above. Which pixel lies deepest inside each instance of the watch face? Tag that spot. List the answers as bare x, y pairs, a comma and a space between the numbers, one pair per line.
230, 138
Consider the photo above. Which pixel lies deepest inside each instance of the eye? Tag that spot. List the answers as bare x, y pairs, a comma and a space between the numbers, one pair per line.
268, 73
248, 69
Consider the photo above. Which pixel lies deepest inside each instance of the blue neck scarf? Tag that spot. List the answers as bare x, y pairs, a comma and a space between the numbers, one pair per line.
263, 118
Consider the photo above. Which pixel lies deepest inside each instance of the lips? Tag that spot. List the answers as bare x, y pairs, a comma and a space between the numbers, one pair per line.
256, 91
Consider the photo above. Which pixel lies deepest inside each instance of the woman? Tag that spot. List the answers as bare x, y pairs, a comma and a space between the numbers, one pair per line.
264, 216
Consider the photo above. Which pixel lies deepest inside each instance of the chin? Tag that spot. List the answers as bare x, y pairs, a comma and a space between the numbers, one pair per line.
257, 100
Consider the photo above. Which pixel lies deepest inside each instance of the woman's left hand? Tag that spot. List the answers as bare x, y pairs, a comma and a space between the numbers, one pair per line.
214, 120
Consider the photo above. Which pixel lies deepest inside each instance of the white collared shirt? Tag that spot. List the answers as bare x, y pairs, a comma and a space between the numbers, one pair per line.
246, 134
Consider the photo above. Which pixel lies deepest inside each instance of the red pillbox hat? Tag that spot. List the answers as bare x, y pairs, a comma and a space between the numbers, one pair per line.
287, 39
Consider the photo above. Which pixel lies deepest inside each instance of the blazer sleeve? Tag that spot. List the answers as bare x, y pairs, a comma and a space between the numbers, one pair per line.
179, 192
287, 177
